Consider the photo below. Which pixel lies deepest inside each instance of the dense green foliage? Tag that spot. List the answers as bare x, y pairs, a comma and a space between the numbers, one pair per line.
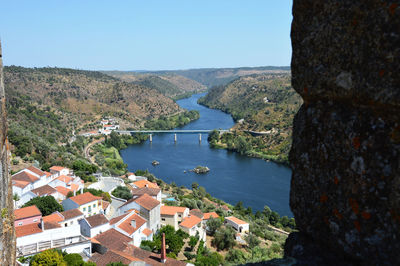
170, 122
213, 224
122, 193
96, 192
264, 107
116, 264
47, 205
174, 240
49, 257
224, 238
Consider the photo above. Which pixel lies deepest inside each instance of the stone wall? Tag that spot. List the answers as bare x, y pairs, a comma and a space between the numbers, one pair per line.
7, 235
345, 190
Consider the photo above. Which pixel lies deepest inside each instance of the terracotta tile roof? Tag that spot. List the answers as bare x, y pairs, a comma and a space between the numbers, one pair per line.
171, 210
145, 190
235, 220
112, 239
63, 190
44, 190
25, 176
147, 231
20, 184
28, 229
112, 256
65, 179
47, 173
151, 258
84, 198
105, 204
208, 215
74, 187
118, 218
51, 225
126, 225
147, 202
225, 208
144, 183
190, 221
27, 212
36, 170
197, 212
57, 168
55, 217
96, 220
71, 214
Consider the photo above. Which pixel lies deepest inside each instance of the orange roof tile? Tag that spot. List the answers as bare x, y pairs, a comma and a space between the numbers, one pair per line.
65, 179
84, 198
144, 183
26, 212
43, 190
20, 184
190, 221
25, 176
171, 210
118, 218
36, 170
112, 239
74, 187
96, 220
47, 173
57, 168
63, 190
147, 231
112, 256
55, 217
208, 215
126, 225
28, 229
105, 204
235, 220
69, 214
147, 202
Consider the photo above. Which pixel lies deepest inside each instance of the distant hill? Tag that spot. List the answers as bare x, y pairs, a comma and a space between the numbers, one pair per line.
45, 105
171, 85
264, 103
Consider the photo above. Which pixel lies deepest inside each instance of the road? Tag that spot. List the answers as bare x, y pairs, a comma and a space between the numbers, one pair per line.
87, 149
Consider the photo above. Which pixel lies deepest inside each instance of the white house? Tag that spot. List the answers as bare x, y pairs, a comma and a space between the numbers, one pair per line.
56, 171
239, 225
148, 207
87, 203
132, 225
172, 215
94, 225
36, 237
193, 226
63, 219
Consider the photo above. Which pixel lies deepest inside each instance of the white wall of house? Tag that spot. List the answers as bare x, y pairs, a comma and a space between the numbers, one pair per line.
86, 230
91, 208
56, 183
129, 206
241, 228
170, 220
25, 198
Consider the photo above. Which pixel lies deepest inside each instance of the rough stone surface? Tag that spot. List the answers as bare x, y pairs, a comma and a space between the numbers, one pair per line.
7, 234
345, 190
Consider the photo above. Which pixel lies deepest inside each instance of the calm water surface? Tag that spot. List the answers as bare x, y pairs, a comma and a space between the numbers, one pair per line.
232, 177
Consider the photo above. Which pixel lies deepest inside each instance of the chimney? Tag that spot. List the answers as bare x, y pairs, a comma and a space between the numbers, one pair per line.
163, 251
81, 190
133, 223
42, 223
74, 193
146, 185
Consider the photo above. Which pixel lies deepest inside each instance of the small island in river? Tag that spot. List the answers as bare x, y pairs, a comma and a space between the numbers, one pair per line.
200, 169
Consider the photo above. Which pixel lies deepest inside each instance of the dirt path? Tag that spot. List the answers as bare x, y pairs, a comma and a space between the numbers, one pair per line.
87, 149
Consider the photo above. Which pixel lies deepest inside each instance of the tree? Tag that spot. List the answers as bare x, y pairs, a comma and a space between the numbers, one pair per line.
122, 192
242, 145
252, 240
49, 257
192, 242
236, 256
73, 259
210, 260
213, 225
195, 185
47, 205
224, 239
116, 264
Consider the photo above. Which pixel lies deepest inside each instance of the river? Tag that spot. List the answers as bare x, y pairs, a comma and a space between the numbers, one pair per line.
232, 177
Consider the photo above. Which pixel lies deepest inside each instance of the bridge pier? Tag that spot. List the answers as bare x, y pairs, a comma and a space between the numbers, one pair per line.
175, 138
200, 137
151, 137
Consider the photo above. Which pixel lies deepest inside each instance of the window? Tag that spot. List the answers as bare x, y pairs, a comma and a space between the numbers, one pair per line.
35, 220
66, 224
84, 209
163, 219
20, 223
90, 209
94, 206
180, 215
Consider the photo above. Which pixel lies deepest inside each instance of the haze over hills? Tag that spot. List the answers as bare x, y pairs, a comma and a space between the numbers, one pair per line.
208, 77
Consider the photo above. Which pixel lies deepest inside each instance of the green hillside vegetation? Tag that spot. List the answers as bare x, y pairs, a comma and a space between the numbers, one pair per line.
171, 85
263, 107
170, 122
46, 105
211, 77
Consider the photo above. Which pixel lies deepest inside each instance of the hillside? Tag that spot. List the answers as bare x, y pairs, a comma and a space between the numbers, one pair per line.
171, 85
220, 76
263, 104
45, 106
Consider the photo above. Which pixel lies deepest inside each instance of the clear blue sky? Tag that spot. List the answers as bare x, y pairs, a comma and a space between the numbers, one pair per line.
146, 34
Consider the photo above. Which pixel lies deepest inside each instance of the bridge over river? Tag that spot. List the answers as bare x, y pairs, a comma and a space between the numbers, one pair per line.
173, 131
